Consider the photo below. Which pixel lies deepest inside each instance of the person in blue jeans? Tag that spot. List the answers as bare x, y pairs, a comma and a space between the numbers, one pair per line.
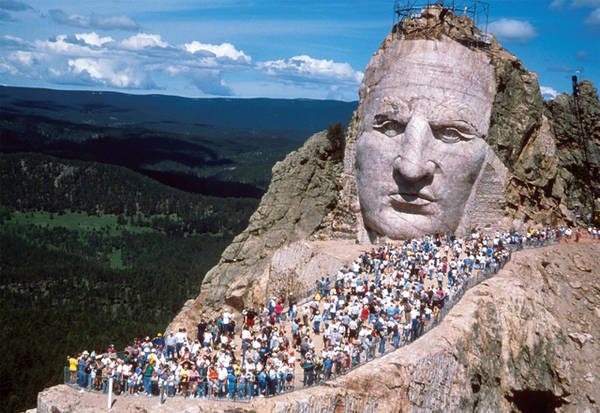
262, 383
231, 384
82, 375
148, 370
382, 341
396, 335
241, 386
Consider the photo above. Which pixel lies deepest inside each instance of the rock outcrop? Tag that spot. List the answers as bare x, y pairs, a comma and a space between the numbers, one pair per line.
313, 194
525, 340
302, 193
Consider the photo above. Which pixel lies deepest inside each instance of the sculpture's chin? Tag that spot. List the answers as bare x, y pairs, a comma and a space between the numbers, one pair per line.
391, 225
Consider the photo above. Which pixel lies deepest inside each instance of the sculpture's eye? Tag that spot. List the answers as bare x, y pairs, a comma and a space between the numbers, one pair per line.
388, 127
452, 134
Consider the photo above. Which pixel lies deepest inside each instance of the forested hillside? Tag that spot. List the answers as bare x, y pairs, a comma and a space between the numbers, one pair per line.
215, 118
94, 254
114, 206
239, 164
40, 182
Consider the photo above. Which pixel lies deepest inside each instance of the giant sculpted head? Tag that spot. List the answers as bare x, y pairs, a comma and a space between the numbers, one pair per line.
424, 113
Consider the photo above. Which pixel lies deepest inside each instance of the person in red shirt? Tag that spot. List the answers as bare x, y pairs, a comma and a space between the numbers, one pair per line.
364, 314
278, 310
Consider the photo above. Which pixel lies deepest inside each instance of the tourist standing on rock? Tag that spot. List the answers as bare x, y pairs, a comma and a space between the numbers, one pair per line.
201, 329
82, 370
147, 375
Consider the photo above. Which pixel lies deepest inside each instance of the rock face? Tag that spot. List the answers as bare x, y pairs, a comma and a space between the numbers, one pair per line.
535, 170
526, 340
302, 193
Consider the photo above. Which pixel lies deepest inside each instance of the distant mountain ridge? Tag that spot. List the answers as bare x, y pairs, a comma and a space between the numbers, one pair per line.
293, 118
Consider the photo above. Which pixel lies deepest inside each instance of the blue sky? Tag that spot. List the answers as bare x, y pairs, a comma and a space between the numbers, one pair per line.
245, 48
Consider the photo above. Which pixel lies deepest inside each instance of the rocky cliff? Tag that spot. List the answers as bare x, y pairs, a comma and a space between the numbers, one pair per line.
313, 193
302, 192
526, 340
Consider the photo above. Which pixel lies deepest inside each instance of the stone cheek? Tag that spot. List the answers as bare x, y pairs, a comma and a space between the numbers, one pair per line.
425, 106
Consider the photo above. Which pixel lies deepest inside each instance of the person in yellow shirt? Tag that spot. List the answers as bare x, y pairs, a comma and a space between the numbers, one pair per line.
72, 369
184, 379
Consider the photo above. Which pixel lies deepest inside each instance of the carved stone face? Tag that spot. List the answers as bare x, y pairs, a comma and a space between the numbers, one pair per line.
425, 106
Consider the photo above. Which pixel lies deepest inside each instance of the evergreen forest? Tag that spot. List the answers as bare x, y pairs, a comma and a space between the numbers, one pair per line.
114, 206
92, 255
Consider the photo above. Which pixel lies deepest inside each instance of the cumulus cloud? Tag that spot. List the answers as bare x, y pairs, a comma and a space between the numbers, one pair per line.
14, 5
93, 39
307, 69
63, 45
513, 30
594, 18
109, 73
548, 92
144, 40
93, 21
223, 50
146, 60
9, 41
210, 82
129, 63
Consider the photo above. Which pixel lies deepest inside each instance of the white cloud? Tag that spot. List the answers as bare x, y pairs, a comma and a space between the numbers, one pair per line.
93, 21
6, 68
64, 45
146, 61
22, 58
13, 42
142, 41
307, 69
548, 92
93, 39
128, 63
223, 50
513, 30
109, 73
594, 18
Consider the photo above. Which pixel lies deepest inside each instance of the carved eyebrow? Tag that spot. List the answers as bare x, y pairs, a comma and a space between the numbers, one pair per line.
456, 123
390, 116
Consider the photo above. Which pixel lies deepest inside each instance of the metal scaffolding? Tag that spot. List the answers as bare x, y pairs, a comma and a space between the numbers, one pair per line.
405, 10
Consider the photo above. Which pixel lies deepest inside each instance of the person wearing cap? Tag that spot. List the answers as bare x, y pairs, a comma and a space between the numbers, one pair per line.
159, 341
147, 375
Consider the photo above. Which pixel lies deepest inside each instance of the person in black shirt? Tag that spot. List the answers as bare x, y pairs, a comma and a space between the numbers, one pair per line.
201, 329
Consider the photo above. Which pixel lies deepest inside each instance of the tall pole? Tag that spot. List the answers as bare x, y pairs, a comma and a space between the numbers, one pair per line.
110, 393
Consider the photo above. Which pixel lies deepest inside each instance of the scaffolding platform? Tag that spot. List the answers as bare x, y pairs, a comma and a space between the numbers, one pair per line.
478, 11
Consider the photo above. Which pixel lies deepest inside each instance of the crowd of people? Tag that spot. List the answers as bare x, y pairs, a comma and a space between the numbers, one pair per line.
381, 301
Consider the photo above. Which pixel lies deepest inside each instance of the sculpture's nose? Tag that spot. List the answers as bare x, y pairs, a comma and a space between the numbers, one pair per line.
413, 162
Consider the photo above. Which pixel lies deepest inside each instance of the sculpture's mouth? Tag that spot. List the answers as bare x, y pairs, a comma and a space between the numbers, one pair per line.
412, 203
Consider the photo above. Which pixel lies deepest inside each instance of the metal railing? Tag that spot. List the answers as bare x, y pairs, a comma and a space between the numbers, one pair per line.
320, 377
